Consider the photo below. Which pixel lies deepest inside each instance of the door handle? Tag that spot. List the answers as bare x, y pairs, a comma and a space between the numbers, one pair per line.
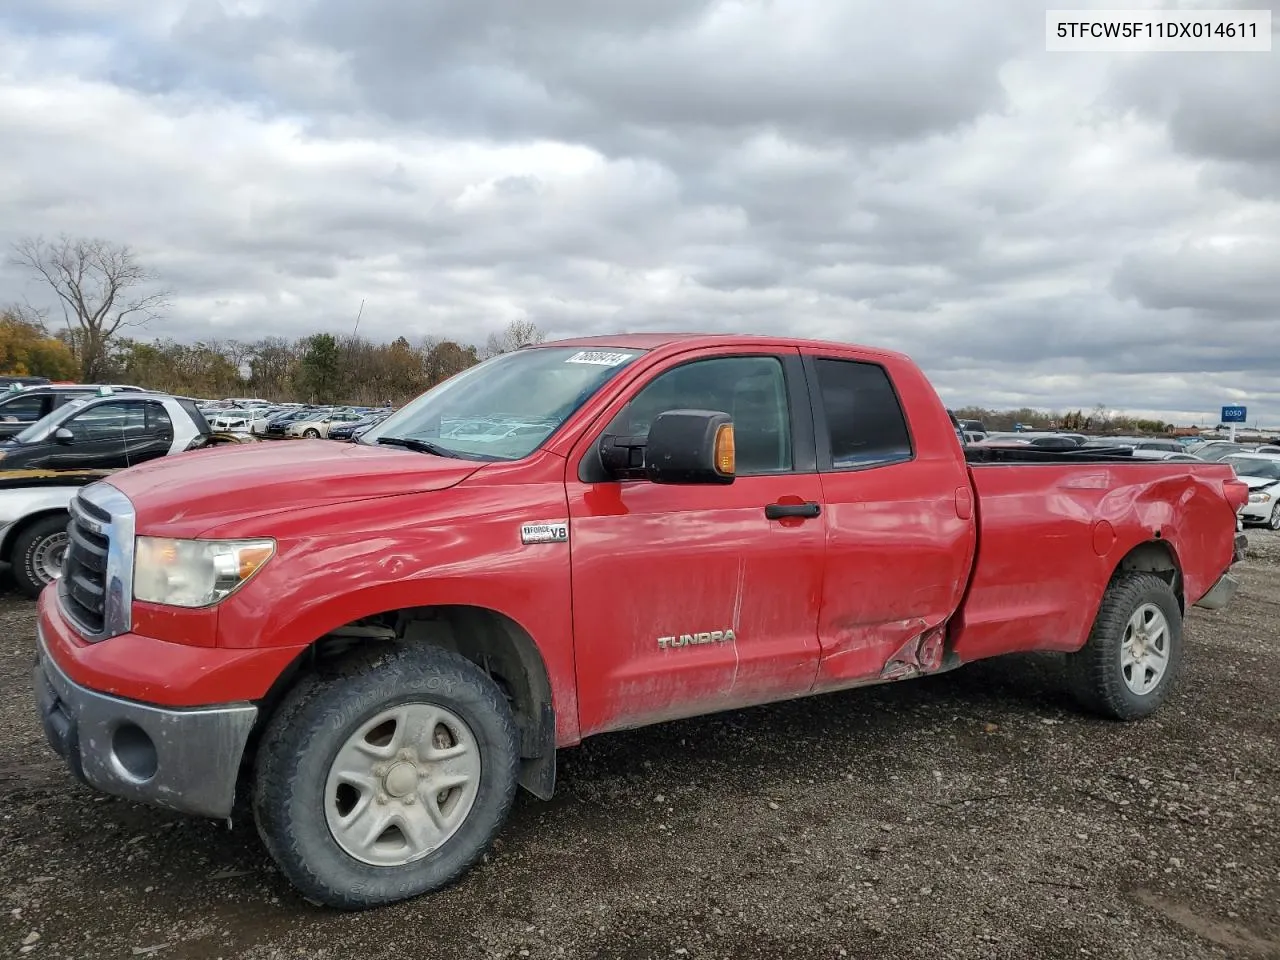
781, 511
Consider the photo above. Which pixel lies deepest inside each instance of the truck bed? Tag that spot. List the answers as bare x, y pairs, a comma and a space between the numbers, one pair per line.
1052, 532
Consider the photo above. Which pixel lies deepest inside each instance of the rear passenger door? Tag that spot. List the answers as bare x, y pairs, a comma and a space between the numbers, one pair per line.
898, 514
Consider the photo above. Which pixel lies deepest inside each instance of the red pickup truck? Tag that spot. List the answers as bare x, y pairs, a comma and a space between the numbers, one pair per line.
377, 642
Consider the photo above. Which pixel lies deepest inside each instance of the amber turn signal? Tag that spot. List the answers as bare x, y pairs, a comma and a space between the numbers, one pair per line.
251, 558
726, 454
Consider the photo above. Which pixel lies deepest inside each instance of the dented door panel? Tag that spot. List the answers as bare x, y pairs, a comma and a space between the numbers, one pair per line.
901, 536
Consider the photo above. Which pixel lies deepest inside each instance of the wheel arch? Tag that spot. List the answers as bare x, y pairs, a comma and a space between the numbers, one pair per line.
18, 527
1156, 556
493, 640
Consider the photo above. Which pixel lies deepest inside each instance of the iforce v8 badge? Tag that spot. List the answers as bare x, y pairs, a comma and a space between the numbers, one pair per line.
545, 531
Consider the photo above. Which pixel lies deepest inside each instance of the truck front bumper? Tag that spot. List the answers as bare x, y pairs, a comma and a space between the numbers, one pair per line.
186, 760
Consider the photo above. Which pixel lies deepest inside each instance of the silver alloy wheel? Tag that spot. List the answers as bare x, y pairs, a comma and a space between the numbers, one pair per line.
1144, 652
402, 784
46, 559
1274, 522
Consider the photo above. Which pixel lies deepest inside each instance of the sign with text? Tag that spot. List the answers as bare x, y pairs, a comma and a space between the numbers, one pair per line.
1234, 414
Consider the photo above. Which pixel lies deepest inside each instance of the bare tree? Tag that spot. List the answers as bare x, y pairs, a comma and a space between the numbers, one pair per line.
516, 334
34, 317
101, 288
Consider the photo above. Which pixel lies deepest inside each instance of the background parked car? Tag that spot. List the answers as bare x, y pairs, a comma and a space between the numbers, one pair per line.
239, 421
278, 425
351, 430
1261, 472
313, 428
82, 440
1219, 449
19, 408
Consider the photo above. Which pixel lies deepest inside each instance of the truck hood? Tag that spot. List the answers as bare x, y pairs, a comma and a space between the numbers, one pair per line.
204, 488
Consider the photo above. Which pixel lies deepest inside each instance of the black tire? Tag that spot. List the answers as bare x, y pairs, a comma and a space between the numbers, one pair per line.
27, 551
1095, 671
1273, 522
304, 737
311, 434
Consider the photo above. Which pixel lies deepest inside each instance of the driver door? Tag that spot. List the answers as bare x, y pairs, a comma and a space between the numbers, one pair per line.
100, 438
694, 598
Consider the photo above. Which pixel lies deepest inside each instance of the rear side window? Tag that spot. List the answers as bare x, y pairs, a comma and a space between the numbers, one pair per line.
194, 413
158, 423
865, 424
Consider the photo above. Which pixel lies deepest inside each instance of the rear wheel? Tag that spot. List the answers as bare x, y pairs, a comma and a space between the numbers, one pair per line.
387, 777
1131, 661
37, 554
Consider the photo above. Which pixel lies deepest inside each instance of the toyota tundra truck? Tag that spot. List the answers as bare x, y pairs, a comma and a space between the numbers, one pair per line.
374, 644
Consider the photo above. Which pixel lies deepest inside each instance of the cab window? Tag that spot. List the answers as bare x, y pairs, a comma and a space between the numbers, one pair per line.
108, 421
752, 390
22, 410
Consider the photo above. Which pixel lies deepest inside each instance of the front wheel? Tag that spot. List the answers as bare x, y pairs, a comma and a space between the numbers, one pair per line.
1273, 522
311, 434
385, 777
1130, 663
37, 554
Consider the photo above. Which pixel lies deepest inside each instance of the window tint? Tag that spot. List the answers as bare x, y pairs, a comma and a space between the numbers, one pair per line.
109, 421
22, 410
159, 425
752, 390
865, 423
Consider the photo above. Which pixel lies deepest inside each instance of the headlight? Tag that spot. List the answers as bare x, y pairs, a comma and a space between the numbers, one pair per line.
195, 573
1259, 497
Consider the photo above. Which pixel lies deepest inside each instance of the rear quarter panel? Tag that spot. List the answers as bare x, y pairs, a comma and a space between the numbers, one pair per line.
1050, 536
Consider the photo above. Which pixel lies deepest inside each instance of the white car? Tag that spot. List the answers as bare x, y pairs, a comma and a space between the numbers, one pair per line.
1261, 472
319, 427
238, 421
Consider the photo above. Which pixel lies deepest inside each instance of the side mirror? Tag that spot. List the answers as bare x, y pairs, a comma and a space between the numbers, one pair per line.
683, 447
63, 435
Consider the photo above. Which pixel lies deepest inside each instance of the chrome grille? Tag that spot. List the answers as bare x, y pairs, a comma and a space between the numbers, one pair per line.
95, 590
84, 568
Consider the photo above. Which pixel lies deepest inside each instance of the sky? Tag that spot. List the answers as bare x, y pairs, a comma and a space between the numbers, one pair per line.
1057, 230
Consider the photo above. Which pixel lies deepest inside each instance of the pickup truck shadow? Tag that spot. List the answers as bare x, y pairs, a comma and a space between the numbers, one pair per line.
863, 730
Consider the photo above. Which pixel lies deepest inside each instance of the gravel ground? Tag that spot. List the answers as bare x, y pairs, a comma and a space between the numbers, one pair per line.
969, 815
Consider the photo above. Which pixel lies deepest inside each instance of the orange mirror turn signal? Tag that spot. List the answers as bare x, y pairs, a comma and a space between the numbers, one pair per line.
726, 454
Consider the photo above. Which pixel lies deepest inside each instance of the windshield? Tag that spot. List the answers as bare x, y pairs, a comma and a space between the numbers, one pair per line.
503, 408
56, 416
1255, 467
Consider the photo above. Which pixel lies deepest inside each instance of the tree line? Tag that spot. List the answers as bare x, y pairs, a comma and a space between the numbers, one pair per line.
1098, 420
321, 368
104, 293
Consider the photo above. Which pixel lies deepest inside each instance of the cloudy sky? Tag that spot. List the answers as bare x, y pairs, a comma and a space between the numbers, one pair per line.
1043, 228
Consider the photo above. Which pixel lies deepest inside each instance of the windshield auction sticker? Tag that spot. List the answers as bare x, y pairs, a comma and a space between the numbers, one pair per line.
600, 359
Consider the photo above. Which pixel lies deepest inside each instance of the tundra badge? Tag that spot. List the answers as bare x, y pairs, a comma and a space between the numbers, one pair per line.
687, 639
545, 531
